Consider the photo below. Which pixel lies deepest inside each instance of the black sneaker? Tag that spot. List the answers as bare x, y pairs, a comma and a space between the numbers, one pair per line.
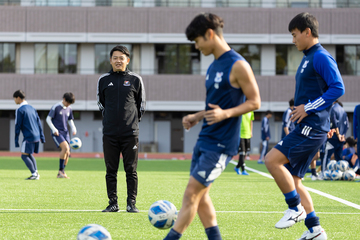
32, 177
131, 208
112, 208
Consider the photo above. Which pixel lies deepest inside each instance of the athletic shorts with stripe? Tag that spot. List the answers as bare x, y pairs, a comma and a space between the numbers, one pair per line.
207, 165
300, 146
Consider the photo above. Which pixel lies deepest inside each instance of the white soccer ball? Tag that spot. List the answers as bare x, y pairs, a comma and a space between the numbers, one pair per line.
331, 165
336, 175
162, 214
342, 165
75, 143
327, 175
93, 232
349, 175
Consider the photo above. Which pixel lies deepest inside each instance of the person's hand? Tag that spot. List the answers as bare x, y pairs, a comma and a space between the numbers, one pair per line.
330, 133
189, 121
17, 144
56, 133
74, 133
298, 114
42, 140
215, 115
341, 138
267, 138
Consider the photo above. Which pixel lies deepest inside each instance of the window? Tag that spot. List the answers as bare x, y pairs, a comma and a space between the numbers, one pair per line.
102, 57
58, 3
252, 55
288, 59
55, 58
7, 57
177, 59
238, 3
177, 3
348, 59
347, 3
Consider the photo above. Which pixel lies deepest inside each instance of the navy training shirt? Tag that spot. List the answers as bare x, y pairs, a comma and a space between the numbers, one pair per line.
223, 136
318, 85
338, 119
60, 115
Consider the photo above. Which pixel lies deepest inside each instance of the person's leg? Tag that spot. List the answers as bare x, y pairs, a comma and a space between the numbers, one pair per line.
241, 162
274, 162
263, 151
130, 160
190, 203
311, 221
28, 162
314, 175
207, 215
64, 154
111, 150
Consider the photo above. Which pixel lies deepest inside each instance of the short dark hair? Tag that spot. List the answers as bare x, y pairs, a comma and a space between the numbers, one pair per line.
351, 141
201, 23
305, 20
268, 112
120, 48
69, 97
291, 102
19, 93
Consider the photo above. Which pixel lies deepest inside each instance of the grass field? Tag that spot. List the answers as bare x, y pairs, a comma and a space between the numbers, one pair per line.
247, 206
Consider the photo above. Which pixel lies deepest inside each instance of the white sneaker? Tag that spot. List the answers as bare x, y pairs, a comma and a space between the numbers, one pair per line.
291, 217
317, 234
318, 177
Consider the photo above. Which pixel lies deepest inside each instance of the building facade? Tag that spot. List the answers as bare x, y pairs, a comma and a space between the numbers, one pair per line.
49, 47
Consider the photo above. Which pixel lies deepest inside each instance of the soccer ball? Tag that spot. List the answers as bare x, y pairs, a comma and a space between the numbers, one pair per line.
327, 175
93, 232
349, 175
342, 165
75, 143
331, 165
336, 175
162, 214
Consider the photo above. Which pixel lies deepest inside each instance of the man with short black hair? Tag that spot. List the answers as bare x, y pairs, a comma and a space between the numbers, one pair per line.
121, 99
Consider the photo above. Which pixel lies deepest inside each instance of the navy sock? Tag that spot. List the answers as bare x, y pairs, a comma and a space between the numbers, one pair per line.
173, 235
28, 162
311, 220
62, 166
33, 161
292, 199
313, 172
213, 233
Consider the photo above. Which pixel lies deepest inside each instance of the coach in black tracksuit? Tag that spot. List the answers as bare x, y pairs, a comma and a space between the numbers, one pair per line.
121, 98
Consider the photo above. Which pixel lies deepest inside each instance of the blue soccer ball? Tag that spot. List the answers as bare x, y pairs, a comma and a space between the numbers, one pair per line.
327, 175
93, 232
336, 175
162, 214
75, 143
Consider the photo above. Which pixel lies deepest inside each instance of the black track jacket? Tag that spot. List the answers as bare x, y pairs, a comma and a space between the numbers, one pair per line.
121, 99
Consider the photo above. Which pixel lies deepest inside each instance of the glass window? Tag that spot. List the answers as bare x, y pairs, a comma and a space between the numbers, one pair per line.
55, 58
57, 2
288, 59
102, 56
177, 59
251, 53
348, 59
177, 3
7, 57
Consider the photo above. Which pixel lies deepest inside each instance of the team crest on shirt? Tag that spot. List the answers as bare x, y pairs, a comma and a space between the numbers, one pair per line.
68, 114
218, 79
304, 65
126, 83
60, 112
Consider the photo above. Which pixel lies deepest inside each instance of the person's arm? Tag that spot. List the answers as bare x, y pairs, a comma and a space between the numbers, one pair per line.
251, 127
191, 120
241, 76
141, 99
72, 125
18, 123
326, 66
42, 136
100, 98
51, 126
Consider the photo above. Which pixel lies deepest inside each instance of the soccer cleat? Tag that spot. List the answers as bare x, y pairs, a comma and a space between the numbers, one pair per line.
32, 177
111, 208
247, 158
291, 217
317, 234
62, 175
237, 170
245, 173
314, 177
260, 161
131, 208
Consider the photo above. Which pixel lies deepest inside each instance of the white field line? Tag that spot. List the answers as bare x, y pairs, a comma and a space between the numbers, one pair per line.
309, 189
145, 211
